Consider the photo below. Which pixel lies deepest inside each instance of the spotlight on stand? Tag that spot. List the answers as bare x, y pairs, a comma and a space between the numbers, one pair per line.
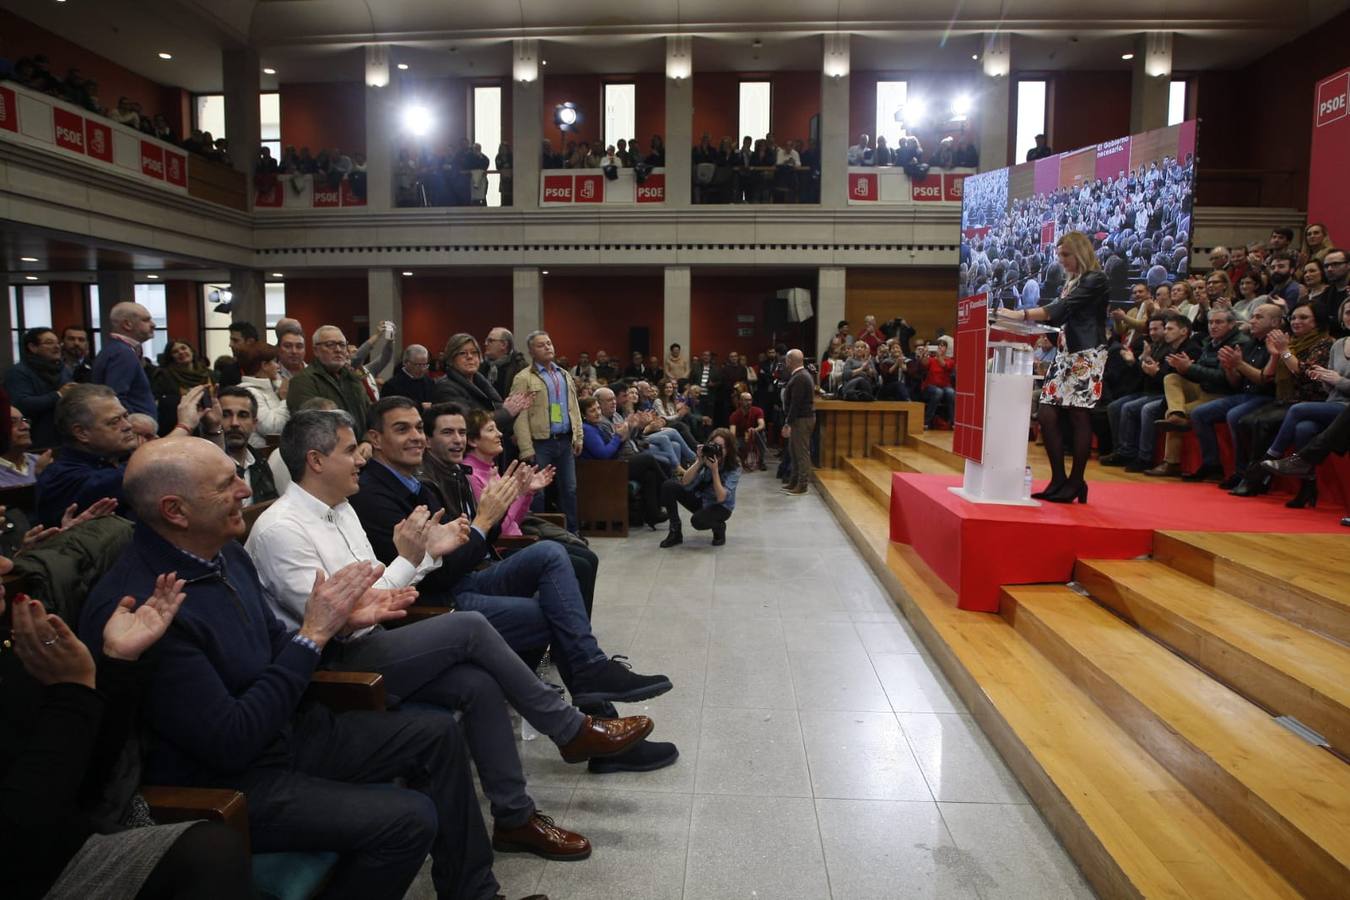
417, 120
961, 107
913, 114
223, 300
566, 116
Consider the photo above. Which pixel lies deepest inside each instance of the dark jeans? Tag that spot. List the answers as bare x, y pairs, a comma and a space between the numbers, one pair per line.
1230, 409
647, 471
935, 397
557, 452
458, 661
504, 593
1335, 438
713, 516
336, 793
1255, 432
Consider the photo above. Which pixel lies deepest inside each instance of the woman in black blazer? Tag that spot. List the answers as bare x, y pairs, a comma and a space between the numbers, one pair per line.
1073, 385
466, 385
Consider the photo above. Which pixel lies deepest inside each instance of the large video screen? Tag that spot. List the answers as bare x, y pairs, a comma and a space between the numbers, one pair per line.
1132, 196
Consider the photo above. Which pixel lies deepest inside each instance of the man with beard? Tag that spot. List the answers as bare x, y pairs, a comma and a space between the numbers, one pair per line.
1282, 283
239, 418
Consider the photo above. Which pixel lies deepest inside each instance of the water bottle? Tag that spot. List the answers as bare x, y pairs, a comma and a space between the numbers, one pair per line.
1026, 484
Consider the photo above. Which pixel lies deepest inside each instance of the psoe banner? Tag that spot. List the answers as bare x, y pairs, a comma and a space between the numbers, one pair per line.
972, 350
1328, 188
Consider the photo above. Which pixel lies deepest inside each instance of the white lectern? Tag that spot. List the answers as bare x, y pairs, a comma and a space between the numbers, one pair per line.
1009, 379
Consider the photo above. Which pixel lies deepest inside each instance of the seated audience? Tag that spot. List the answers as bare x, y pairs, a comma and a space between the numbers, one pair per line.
707, 489
260, 375
485, 443
179, 371
608, 435
748, 430
457, 662
37, 382
531, 597
18, 465
583, 370
239, 418
411, 379
330, 377
1134, 414
937, 391
118, 364
66, 720
145, 427
225, 708
860, 379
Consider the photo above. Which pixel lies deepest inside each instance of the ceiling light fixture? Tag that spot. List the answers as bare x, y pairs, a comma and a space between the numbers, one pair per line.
543, 271
974, 56
30, 278
153, 277
269, 71
407, 274
165, 55
543, 62
403, 67
1127, 56
28, 259
278, 275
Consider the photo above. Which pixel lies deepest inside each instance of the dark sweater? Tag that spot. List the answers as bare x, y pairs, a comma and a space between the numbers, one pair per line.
227, 676
80, 478
119, 367
801, 396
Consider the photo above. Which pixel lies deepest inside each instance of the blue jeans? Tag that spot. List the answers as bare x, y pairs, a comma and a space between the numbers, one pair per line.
662, 447
1205, 416
1127, 438
1113, 415
934, 397
1149, 413
505, 593
557, 452
1301, 424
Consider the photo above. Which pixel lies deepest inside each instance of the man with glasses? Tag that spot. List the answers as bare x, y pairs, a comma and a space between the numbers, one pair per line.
329, 377
1327, 307
37, 382
501, 360
411, 379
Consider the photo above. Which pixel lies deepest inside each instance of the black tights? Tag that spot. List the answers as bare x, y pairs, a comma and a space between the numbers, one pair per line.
207, 862
1080, 421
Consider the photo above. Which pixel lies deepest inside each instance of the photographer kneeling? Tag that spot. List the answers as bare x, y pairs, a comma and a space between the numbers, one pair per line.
708, 490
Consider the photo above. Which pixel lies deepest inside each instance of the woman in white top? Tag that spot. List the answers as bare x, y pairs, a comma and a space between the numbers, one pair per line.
258, 369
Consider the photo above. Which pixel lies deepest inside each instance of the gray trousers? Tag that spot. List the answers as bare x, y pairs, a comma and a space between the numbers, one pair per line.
799, 447
458, 661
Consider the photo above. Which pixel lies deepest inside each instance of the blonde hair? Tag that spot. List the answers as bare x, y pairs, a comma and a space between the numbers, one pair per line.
1080, 246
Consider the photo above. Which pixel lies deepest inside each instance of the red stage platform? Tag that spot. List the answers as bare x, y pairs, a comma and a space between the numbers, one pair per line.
975, 548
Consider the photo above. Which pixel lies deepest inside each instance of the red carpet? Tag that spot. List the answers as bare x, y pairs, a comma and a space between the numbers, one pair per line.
975, 548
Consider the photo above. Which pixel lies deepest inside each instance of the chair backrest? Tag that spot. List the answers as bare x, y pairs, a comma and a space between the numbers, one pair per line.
602, 497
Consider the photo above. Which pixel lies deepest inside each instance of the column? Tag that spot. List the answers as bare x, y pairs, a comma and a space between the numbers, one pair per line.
382, 139
675, 323
679, 136
1151, 82
243, 127
829, 304
113, 288
994, 104
248, 299
527, 309
527, 110
834, 110
6, 323
384, 302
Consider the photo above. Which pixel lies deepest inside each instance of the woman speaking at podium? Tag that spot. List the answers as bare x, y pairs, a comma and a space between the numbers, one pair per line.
1074, 383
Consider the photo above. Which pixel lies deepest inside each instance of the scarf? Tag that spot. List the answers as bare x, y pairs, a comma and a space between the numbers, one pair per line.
185, 379
1286, 382
48, 371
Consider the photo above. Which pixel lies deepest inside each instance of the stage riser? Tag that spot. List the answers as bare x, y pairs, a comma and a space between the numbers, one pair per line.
1282, 596
1129, 825
1289, 800
1281, 667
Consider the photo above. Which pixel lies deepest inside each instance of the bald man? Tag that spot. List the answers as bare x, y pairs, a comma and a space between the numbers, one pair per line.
799, 397
225, 706
119, 363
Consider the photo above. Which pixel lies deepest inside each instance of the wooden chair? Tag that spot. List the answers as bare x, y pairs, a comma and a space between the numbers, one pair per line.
602, 497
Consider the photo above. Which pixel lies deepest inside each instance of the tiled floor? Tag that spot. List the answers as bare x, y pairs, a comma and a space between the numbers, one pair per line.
823, 754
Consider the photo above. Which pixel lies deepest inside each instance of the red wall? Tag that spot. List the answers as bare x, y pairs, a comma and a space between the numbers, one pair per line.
716, 300
20, 38
1085, 108
587, 92
717, 99
592, 312
437, 306
329, 301
68, 304
324, 115
184, 302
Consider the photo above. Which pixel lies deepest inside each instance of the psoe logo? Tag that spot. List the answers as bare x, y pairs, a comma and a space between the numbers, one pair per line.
647, 193
151, 165
1333, 100
928, 191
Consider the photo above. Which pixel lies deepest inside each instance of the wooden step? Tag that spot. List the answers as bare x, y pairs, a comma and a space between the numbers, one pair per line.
1285, 669
935, 445
873, 476
908, 459
1289, 800
1132, 828
1300, 577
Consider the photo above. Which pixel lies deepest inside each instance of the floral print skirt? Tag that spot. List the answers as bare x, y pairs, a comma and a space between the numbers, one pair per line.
1075, 379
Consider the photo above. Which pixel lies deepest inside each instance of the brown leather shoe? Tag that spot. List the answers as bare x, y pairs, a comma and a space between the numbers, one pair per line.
542, 838
605, 737
1165, 470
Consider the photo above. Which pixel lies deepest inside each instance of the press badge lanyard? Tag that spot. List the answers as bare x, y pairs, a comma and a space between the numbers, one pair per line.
555, 411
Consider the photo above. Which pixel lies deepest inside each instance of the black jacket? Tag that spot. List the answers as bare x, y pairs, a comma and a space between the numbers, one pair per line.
476, 394
1206, 370
418, 390
383, 501
1082, 312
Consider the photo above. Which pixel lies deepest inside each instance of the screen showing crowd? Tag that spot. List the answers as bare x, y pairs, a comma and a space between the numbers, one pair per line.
1132, 196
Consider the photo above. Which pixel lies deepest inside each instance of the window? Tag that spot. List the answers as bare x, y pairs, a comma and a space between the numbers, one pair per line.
620, 113
209, 115
487, 132
30, 306
891, 99
1030, 116
756, 98
216, 326
152, 297
1176, 102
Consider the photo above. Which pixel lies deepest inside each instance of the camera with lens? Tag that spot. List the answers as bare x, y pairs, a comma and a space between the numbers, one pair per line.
712, 451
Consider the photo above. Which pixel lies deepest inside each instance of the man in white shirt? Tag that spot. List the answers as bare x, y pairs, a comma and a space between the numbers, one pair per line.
455, 660
860, 154
788, 156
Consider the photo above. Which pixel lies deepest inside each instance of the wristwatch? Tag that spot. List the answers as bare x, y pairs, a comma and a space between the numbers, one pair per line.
1285, 355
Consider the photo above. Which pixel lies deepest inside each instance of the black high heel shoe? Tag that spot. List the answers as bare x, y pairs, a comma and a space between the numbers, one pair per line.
1050, 488
1306, 496
1255, 482
1068, 492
